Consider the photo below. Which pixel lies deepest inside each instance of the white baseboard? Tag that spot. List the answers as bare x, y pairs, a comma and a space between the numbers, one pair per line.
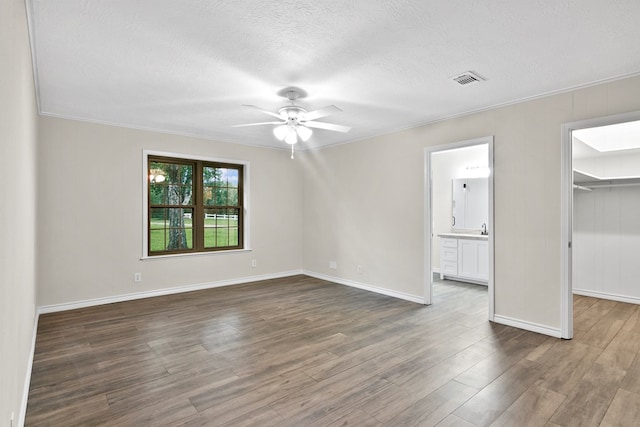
27, 380
159, 292
400, 295
528, 326
605, 295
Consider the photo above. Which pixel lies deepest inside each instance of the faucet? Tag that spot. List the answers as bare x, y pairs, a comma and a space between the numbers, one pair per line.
484, 229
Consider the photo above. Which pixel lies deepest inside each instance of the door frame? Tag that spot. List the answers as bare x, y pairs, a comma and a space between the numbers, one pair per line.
566, 226
428, 214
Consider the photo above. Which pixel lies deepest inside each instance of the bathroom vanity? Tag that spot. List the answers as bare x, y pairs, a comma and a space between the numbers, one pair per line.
464, 257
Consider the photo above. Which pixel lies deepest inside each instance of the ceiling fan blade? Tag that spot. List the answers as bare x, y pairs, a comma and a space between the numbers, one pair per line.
258, 124
327, 126
264, 111
322, 112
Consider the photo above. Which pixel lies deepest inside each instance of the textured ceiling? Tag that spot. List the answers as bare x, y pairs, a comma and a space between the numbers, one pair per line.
187, 66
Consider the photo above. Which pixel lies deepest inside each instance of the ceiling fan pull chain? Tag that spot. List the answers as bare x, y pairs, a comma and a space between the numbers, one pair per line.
292, 145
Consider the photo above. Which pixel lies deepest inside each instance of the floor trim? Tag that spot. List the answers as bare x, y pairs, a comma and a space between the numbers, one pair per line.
604, 295
396, 294
22, 416
528, 326
159, 292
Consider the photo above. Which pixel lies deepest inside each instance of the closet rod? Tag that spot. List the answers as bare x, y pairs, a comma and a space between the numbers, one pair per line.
629, 184
580, 187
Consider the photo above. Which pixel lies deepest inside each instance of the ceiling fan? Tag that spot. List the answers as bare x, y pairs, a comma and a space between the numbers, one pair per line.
296, 122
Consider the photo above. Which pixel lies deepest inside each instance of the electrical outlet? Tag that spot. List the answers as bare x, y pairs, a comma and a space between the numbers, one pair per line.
137, 277
333, 265
359, 269
254, 263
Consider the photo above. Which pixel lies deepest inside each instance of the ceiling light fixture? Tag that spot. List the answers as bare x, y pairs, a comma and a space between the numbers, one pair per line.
295, 122
304, 133
280, 132
291, 131
291, 137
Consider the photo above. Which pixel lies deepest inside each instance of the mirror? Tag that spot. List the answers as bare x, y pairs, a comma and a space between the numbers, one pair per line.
470, 206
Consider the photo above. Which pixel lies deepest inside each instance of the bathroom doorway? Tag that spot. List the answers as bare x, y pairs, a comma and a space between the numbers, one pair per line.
459, 233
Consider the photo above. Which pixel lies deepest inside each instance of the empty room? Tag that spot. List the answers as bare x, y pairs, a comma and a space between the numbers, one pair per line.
298, 213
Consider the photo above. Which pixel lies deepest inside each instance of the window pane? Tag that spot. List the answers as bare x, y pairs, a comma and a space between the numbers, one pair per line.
232, 177
232, 197
170, 183
170, 229
222, 237
178, 195
233, 236
177, 174
157, 194
210, 225
220, 186
220, 228
207, 195
221, 196
157, 228
157, 219
210, 175
157, 173
178, 237
233, 217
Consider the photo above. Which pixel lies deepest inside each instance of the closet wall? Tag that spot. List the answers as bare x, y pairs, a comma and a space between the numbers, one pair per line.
606, 243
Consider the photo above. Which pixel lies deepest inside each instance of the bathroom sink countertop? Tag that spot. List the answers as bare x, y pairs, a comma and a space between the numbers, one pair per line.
464, 236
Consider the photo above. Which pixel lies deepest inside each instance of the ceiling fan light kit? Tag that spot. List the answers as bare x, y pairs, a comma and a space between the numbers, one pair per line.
296, 121
304, 133
291, 137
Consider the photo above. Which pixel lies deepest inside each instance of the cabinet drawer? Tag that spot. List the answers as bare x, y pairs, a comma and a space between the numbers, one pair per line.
449, 268
448, 243
449, 254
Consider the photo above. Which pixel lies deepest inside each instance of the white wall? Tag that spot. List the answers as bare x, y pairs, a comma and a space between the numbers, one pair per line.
364, 201
17, 208
606, 243
90, 218
445, 166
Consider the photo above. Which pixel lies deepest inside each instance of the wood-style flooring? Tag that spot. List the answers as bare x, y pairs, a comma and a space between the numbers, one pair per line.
304, 352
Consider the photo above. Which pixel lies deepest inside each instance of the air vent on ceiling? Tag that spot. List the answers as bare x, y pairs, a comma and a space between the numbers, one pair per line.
467, 78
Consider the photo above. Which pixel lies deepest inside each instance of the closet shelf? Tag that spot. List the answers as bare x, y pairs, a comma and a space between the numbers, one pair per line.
583, 181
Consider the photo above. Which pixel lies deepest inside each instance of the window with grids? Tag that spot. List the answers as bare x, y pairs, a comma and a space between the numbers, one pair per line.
194, 206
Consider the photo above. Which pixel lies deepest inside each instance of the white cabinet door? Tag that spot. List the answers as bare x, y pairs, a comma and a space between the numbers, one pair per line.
463, 259
483, 260
467, 258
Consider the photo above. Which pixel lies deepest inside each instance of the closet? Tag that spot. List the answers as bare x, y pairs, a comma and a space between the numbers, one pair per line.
606, 221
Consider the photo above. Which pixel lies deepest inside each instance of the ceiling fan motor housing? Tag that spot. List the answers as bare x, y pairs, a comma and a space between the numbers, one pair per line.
291, 112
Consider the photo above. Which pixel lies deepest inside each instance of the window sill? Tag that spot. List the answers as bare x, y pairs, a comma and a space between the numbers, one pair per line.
154, 257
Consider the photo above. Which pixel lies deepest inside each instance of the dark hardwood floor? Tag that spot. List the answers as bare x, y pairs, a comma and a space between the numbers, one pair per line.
305, 352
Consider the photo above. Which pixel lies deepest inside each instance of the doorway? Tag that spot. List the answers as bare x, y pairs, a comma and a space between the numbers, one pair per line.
591, 174
433, 217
